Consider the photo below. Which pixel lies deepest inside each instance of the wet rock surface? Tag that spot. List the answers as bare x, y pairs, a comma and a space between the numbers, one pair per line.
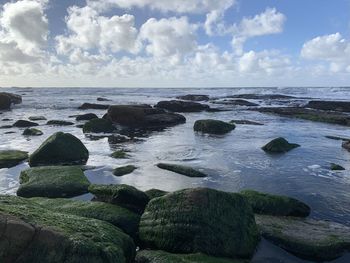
181, 106
194, 97
343, 106
279, 145
181, 169
11, 158
213, 126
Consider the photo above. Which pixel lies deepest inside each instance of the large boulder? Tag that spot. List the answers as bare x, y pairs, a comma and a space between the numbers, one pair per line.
98, 126
194, 97
277, 205
11, 158
14, 98
181, 106
200, 220
306, 238
32, 233
53, 182
181, 169
60, 149
213, 126
5, 102
279, 145
343, 106
123, 195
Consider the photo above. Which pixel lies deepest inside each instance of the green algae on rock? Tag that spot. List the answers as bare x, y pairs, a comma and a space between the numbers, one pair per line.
36, 234
32, 132
120, 155
123, 195
98, 126
60, 149
279, 145
277, 205
337, 167
11, 158
154, 193
200, 220
53, 182
213, 126
124, 170
181, 169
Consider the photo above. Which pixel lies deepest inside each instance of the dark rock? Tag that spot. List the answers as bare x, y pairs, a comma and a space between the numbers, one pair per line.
279, 145
10, 132
116, 139
262, 96
86, 117
337, 138
5, 102
182, 106
93, 106
180, 169
14, 98
246, 122
343, 106
6, 127
60, 149
6, 119
37, 118
276, 205
32, 132
346, 145
237, 102
337, 167
59, 123
213, 126
120, 154
194, 97
12, 158
122, 195
24, 124
124, 170
154, 193
98, 126
200, 220
103, 99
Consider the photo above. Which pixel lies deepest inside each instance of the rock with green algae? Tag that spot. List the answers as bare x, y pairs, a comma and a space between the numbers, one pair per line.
59, 123
98, 126
154, 193
53, 182
276, 205
60, 149
121, 154
32, 132
306, 238
279, 145
200, 220
337, 167
181, 169
213, 126
116, 215
31, 233
124, 170
11, 158
123, 195
158, 256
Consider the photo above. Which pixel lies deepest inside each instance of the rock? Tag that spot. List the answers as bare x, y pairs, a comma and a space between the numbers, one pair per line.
98, 126
343, 106
59, 123
306, 238
276, 205
14, 98
120, 155
116, 215
262, 96
6, 119
31, 233
213, 126
337, 138
53, 182
37, 118
346, 145
12, 158
6, 127
200, 220
86, 117
102, 99
279, 145
237, 102
246, 122
337, 167
122, 195
181, 106
24, 124
124, 170
154, 193
180, 169
5, 102
117, 138
194, 97
32, 132
60, 149
93, 106
158, 256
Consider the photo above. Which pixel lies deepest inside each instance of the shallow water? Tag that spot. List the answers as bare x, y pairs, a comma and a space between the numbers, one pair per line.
233, 162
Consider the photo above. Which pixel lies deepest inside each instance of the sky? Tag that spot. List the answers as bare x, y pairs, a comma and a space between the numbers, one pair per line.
174, 43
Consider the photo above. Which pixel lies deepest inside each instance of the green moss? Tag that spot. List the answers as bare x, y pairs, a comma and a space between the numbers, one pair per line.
181, 169
32, 132
124, 170
120, 155
200, 220
98, 126
53, 181
154, 193
279, 145
58, 237
12, 158
213, 126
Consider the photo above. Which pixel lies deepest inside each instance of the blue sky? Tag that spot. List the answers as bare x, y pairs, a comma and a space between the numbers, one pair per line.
174, 43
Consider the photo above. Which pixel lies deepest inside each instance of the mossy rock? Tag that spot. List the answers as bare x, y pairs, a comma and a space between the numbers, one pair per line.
53, 182
24, 124
154, 193
116, 215
213, 126
31, 233
59, 123
337, 167
60, 149
124, 170
37, 118
123, 195
310, 239
277, 205
158, 256
279, 145
120, 155
181, 169
86, 117
32, 132
11, 158
200, 220
98, 126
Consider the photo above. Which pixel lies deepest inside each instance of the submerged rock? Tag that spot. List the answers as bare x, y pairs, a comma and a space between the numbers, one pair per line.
343, 106
346, 145
120, 154
194, 97
337, 167
86, 117
306, 238
32, 132
11, 158
276, 205
53, 182
123, 195
102, 99
181, 106
213, 126
279, 145
237, 102
154, 193
24, 124
60, 149
180, 169
246, 122
200, 220
93, 106
37, 118
262, 96
31, 233
124, 170
98, 126
60, 123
